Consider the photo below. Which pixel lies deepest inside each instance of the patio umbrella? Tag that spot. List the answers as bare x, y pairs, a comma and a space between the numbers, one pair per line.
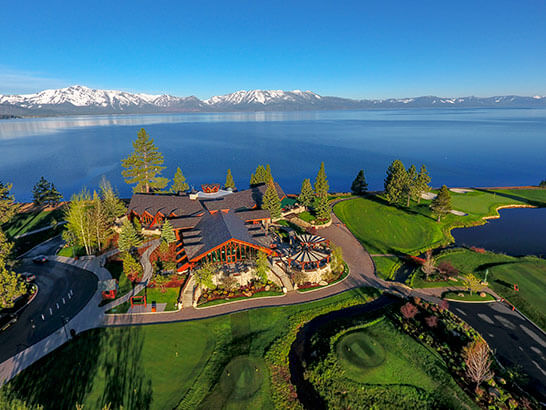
310, 240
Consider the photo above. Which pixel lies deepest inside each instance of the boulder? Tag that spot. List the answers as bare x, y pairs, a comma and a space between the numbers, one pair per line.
323, 283
483, 294
267, 288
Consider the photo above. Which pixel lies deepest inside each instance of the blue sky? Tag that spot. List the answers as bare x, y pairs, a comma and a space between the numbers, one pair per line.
359, 49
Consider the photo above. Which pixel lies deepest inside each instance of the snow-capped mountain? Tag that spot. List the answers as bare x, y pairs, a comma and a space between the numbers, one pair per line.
264, 97
78, 99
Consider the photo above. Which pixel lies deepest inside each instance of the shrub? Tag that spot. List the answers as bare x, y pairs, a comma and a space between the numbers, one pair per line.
431, 321
409, 310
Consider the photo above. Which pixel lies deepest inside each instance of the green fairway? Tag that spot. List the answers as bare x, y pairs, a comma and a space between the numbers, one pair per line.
467, 296
359, 351
386, 266
529, 273
29, 221
383, 228
380, 367
177, 365
241, 385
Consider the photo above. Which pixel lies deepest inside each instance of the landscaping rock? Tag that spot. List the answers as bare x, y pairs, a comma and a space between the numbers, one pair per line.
483, 294
267, 288
460, 294
323, 283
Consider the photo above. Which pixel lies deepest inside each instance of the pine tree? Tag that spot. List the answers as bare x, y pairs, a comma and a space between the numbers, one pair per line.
167, 233
422, 181
306, 195
261, 176
321, 182
7, 203
179, 182
410, 187
230, 183
359, 185
441, 205
113, 206
253, 179
53, 197
41, 191
129, 238
268, 173
322, 208
271, 200
143, 167
131, 267
262, 266
395, 181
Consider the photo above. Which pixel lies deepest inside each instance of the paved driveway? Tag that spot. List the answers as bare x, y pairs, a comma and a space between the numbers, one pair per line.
63, 290
514, 339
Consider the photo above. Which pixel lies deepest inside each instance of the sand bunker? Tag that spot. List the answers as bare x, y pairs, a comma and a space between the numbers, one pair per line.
458, 213
428, 195
460, 190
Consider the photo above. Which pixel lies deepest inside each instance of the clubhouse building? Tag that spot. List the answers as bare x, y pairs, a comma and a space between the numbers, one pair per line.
214, 225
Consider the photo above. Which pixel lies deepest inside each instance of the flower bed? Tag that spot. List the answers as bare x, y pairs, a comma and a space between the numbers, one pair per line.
245, 291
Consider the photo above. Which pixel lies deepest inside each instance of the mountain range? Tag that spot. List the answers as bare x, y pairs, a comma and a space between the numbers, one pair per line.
79, 99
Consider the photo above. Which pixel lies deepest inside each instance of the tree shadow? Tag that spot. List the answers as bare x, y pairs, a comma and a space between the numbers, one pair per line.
126, 384
63, 378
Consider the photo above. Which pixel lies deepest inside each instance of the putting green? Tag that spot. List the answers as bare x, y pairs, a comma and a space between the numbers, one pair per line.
242, 378
360, 351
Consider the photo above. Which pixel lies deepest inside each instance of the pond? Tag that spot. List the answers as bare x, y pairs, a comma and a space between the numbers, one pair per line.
519, 231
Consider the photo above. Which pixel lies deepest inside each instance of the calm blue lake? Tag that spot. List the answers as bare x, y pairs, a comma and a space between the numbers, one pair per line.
478, 147
519, 231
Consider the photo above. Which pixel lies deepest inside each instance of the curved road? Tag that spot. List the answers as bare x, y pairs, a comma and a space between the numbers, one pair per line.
63, 290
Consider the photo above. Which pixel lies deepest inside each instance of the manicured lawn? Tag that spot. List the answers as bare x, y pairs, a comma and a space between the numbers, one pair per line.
385, 266
306, 216
168, 296
178, 365
529, 273
29, 221
380, 367
71, 251
420, 282
383, 228
474, 297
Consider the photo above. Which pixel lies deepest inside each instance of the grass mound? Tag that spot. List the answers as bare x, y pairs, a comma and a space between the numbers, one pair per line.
242, 378
466, 296
360, 351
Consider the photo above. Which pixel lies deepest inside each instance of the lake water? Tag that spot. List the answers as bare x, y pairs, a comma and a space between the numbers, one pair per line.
519, 231
478, 147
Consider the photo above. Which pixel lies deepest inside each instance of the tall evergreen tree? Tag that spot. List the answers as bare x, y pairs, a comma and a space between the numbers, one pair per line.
261, 176
113, 206
271, 200
143, 167
359, 185
44, 192
441, 205
322, 208
167, 232
129, 238
230, 183
306, 195
268, 173
179, 182
395, 181
422, 181
410, 187
321, 182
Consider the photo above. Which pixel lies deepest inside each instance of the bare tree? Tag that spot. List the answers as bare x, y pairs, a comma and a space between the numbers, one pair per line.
478, 362
429, 266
